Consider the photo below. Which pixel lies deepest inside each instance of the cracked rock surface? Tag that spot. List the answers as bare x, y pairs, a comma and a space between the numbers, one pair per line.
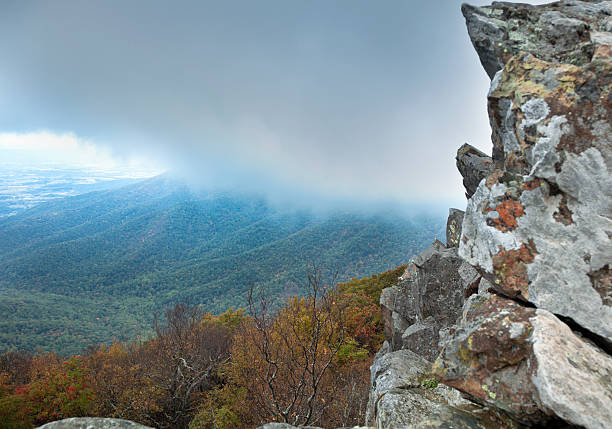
474, 166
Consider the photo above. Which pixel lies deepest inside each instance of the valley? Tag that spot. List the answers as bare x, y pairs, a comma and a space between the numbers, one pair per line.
95, 267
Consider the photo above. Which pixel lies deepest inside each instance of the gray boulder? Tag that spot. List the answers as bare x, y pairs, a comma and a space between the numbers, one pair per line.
423, 409
422, 339
422, 258
437, 291
400, 369
396, 314
276, 425
93, 423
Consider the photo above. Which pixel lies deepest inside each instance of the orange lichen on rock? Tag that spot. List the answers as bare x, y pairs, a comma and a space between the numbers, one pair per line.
508, 211
510, 268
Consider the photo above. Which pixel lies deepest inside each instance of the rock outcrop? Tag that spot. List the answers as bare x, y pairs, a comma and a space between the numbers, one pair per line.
564, 32
540, 225
516, 309
93, 423
275, 425
474, 166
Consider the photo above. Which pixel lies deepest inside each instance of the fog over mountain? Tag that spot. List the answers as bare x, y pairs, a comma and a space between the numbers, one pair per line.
340, 100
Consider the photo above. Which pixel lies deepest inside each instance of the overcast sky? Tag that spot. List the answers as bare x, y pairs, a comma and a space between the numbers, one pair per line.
344, 99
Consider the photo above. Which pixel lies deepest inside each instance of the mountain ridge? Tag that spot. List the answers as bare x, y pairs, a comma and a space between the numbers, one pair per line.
156, 242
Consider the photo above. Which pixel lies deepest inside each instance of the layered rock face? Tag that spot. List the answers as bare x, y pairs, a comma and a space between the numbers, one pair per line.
516, 309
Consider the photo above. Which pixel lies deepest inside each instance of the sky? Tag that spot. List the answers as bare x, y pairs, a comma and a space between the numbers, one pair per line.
339, 100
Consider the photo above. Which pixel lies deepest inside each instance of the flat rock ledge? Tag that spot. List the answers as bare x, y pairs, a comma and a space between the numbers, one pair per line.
93, 423
275, 425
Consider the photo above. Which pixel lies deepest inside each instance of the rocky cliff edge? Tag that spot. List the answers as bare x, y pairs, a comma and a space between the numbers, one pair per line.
510, 323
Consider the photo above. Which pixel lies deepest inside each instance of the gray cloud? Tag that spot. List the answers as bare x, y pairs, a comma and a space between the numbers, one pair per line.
358, 99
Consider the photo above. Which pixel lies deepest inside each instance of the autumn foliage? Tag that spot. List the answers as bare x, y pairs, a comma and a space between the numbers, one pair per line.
306, 363
56, 389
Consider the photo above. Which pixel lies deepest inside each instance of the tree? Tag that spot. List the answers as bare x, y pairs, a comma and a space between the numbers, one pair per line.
286, 360
161, 381
189, 352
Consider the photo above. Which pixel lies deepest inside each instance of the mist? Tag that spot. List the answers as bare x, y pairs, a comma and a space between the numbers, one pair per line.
348, 102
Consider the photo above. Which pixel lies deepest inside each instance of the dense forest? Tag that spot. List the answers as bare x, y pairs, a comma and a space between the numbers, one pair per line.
305, 362
99, 266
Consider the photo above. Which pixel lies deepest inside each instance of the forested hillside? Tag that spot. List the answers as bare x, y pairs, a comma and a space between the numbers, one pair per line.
98, 266
203, 371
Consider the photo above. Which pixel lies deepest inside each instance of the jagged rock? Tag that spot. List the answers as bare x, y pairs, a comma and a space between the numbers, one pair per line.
437, 290
384, 349
486, 356
484, 287
528, 363
561, 32
93, 423
414, 409
536, 236
429, 296
275, 425
573, 378
453, 227
540, 225
421, 259
474, 166
424, 408
470, 279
